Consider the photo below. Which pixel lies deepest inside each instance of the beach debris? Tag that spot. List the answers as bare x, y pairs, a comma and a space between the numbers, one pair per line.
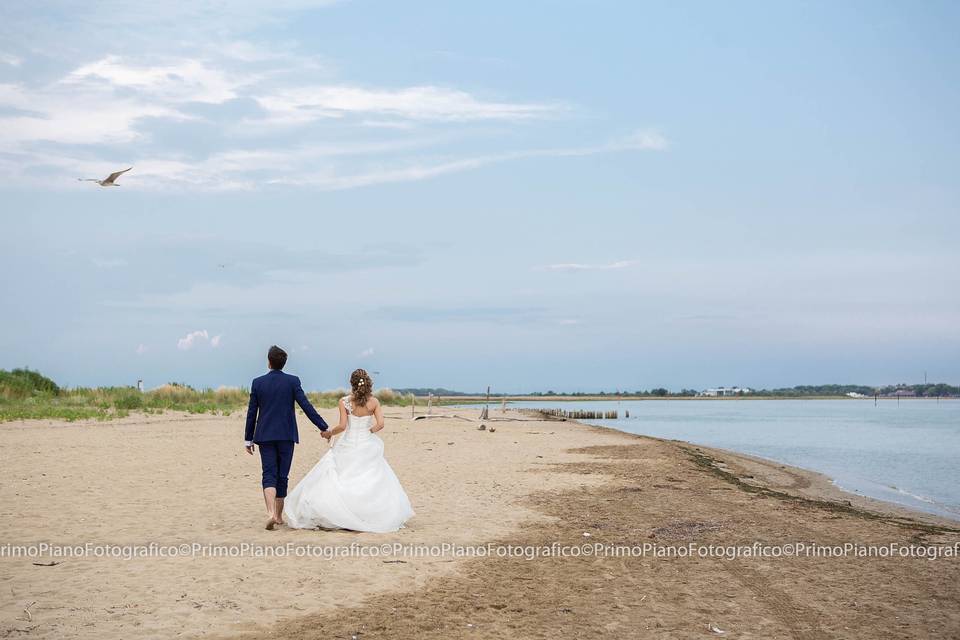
451, 443
586, 535
394, 562
26, 610
679, 530
492, 429
715, 629
52, 563
109, 181
482, 427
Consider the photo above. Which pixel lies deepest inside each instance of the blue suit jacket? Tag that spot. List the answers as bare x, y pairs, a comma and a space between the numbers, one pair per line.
270, 415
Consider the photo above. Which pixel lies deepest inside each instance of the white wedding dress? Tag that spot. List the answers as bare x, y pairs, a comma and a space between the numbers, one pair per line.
351, 487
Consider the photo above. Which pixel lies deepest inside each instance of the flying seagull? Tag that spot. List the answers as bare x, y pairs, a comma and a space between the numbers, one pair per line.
109, 181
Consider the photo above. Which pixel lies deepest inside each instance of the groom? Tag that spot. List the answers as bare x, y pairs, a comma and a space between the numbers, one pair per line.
272, 425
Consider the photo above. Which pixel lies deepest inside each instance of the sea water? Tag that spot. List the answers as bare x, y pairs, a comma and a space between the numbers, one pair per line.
906, 452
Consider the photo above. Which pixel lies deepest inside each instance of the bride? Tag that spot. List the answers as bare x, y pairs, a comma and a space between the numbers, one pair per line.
352, 486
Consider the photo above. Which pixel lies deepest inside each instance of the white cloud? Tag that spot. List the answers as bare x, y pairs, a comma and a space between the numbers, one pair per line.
78, 115
304, 104
193, 338
104, 101
315, 166
366, 353
10, 59
328, 181
579, 266
568, 322
387, 124
141, 349
99, 112
176, 81
215, 341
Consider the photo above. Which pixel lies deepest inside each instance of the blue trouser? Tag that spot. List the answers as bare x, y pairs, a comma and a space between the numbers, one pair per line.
275, 458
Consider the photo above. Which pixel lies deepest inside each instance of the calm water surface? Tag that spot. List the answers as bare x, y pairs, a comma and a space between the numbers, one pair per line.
908, 454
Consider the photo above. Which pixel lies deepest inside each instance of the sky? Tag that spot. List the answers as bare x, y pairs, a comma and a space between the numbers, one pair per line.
535, 196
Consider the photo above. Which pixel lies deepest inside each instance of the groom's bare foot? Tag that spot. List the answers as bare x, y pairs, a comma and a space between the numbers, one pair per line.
271, 524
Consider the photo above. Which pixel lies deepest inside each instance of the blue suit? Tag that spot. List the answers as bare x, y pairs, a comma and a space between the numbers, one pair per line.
272, 424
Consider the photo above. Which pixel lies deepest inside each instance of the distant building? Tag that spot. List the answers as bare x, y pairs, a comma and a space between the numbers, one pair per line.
720, 392
854, 394
903, 393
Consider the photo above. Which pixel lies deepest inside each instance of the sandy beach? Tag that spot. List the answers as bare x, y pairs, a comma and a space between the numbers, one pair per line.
176, 479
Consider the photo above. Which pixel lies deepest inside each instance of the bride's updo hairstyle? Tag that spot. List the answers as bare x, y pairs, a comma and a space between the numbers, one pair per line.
361, 387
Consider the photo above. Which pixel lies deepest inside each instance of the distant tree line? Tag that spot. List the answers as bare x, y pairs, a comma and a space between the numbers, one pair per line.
932, 390
920, 390
658, 392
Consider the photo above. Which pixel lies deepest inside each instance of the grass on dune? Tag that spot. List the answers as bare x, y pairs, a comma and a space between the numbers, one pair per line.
329, 399
28, 395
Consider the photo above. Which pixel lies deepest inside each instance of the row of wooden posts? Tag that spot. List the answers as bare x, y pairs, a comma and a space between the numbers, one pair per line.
553, 413
579, 414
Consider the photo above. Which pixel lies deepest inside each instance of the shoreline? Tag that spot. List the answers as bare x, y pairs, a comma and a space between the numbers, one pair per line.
775, 475
827, 486
812, 485
530, 484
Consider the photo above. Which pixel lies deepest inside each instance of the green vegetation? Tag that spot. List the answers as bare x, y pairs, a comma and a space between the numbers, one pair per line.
28, 395
329, 399
932, 390
22, 383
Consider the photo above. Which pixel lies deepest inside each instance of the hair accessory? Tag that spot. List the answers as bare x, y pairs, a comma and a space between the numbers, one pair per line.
360, 383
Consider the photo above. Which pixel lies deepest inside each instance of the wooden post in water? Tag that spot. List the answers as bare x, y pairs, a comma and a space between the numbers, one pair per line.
430, 404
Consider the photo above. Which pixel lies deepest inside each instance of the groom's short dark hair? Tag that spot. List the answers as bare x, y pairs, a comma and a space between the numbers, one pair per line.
277, 358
